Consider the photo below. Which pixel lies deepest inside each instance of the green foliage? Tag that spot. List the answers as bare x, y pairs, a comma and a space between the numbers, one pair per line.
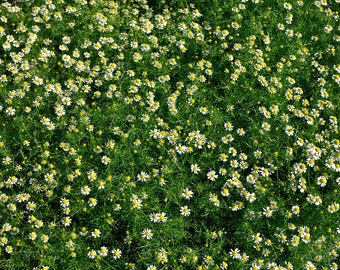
169, 134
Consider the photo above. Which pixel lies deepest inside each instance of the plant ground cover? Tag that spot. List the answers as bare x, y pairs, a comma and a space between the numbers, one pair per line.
169, 135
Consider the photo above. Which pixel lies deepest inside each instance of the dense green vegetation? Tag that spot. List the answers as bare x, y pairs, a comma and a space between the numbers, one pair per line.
169, 134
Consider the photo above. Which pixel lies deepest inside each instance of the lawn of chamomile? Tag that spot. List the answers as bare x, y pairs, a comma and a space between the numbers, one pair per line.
169, 135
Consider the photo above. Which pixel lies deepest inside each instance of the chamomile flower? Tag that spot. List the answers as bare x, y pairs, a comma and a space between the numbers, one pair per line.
143, 176
195, 168
85, 190
96, 233
163, 217
6, 160
185, 211
187, 193
92, 254
66, 221
105, 160
212, 175
9, 249
32, 236
92, 202
235, 253
10, 111
117, 253
267, 212
147, 233
154, 217
289, 130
